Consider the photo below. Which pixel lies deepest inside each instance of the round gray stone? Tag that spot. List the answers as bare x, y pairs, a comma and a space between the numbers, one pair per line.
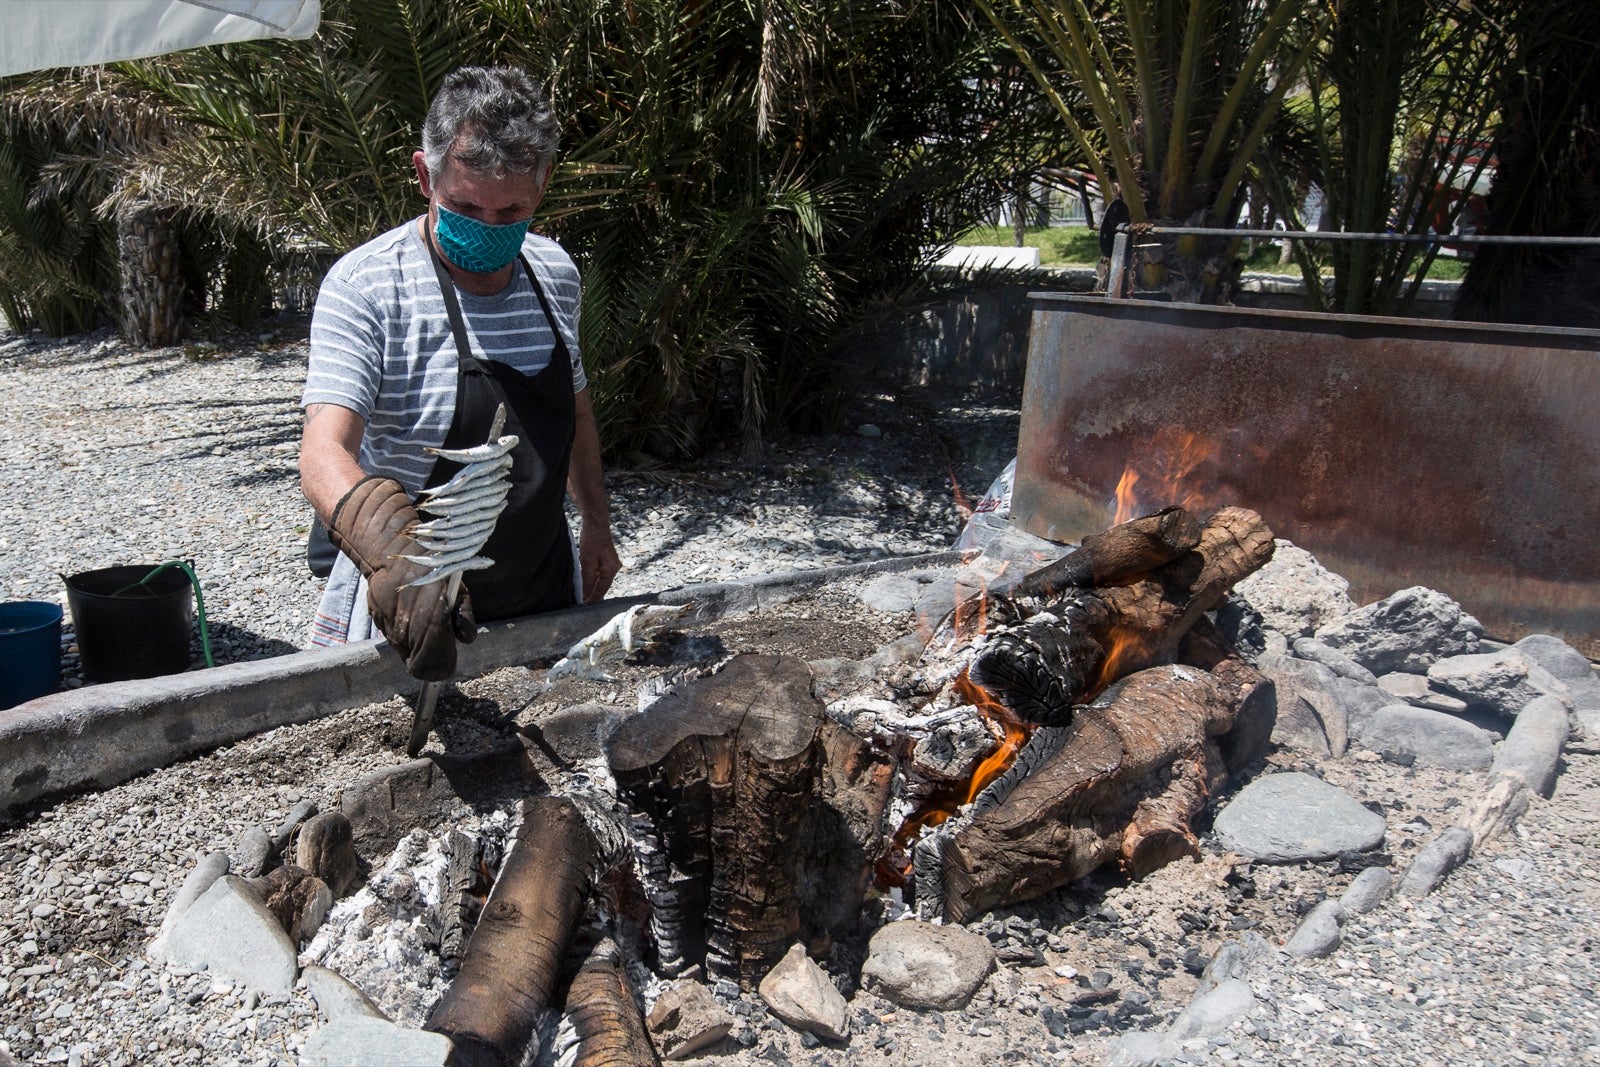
920, 965
1286, 818
1404, 734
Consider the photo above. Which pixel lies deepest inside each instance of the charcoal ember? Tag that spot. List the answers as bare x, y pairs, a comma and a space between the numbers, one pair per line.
1043, 667
1355, 862
953, 750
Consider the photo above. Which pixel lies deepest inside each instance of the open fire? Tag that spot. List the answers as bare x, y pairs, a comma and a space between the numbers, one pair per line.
745, 809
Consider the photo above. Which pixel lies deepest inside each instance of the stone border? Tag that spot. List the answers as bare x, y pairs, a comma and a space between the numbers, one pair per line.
100, 735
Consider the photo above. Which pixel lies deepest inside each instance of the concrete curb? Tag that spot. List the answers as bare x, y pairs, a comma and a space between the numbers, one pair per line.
100, 735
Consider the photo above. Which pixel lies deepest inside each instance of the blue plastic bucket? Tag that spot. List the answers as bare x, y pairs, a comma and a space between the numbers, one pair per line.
30, 650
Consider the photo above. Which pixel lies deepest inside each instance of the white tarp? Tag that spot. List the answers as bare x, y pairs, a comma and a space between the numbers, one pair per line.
36, 34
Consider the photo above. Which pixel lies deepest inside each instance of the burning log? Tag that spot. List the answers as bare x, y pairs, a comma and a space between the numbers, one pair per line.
1125, 551
769, 815
1125, 782
1046, 665
513, 960
606, 1016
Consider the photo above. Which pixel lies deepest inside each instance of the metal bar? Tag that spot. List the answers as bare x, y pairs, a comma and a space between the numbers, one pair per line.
1115, 283
1386, 238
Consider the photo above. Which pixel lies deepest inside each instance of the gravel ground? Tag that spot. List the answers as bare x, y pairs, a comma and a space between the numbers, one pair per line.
119, 456
123, 457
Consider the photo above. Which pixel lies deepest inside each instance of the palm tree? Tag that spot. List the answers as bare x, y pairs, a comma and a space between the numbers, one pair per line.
159, 256
743, 184
1390, 99
1177, 98
58, 247
1548, 178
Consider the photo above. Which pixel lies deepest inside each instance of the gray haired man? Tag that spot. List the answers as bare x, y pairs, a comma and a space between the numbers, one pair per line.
417, 337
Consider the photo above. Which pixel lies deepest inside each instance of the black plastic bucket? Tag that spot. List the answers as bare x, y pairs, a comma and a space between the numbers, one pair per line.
128, 627
30, 650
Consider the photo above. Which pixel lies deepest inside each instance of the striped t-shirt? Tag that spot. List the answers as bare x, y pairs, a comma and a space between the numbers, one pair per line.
381, 343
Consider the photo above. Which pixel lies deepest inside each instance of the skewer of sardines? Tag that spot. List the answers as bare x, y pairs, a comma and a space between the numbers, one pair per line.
462, 514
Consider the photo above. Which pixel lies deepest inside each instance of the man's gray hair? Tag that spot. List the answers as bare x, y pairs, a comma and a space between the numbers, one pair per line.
492, 119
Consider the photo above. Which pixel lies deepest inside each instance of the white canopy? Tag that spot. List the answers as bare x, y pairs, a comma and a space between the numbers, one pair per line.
36, 34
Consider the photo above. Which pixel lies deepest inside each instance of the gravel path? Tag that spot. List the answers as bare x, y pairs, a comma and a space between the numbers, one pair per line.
122, 457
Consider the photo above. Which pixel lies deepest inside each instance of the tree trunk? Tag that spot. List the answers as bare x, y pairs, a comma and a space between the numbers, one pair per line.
148, 256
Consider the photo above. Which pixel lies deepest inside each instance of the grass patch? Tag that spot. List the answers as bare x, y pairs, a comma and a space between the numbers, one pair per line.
1059, 246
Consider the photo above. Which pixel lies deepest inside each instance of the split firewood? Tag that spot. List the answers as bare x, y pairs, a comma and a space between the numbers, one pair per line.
605, 1013
1124, 784
769, 815
1125, 551
513, 959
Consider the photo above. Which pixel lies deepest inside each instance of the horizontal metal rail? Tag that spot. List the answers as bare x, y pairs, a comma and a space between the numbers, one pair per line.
1341, 235
1127, 232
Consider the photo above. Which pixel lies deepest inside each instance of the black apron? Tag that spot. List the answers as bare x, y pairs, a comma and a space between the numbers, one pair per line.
531, 546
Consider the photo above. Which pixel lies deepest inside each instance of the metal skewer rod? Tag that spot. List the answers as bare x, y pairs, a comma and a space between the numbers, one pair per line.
428, 697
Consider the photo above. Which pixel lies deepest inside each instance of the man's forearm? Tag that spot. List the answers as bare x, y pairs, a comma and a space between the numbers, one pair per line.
597, 553
329, 445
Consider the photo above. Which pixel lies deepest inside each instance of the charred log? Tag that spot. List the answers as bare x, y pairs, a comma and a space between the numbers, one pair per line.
513, 960
1251, 692
1126, 551
605, 1013
1129, 777
1042, 667
769, 815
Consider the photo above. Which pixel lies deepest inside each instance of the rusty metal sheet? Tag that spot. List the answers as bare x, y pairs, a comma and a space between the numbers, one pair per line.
1459, 456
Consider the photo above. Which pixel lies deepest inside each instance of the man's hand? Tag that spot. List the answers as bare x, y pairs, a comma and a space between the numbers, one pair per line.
597, 555
597, 560
372, 526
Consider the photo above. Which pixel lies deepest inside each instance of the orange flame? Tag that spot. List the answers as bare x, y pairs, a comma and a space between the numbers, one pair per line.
1126, 501
1125, 653
894, 866
1170, 461
962, 502
1012, 734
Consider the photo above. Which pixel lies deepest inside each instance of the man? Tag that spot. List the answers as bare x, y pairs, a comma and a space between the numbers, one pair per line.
417, 337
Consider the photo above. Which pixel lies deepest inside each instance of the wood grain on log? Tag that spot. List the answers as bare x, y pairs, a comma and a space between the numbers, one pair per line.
605, 1013
1135, 769
770, 815
1125, 551
1149, 617
1246, 738
513, 960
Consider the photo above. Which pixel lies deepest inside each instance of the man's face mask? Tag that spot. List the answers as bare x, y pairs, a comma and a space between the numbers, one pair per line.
480, 247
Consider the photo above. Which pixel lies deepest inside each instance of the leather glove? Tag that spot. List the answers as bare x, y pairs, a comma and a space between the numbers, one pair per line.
371, 525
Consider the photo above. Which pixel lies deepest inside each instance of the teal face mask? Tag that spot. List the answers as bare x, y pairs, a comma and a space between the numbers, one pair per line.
480, 247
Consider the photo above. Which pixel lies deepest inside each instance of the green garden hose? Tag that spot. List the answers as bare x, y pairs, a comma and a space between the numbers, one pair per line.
199, 599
